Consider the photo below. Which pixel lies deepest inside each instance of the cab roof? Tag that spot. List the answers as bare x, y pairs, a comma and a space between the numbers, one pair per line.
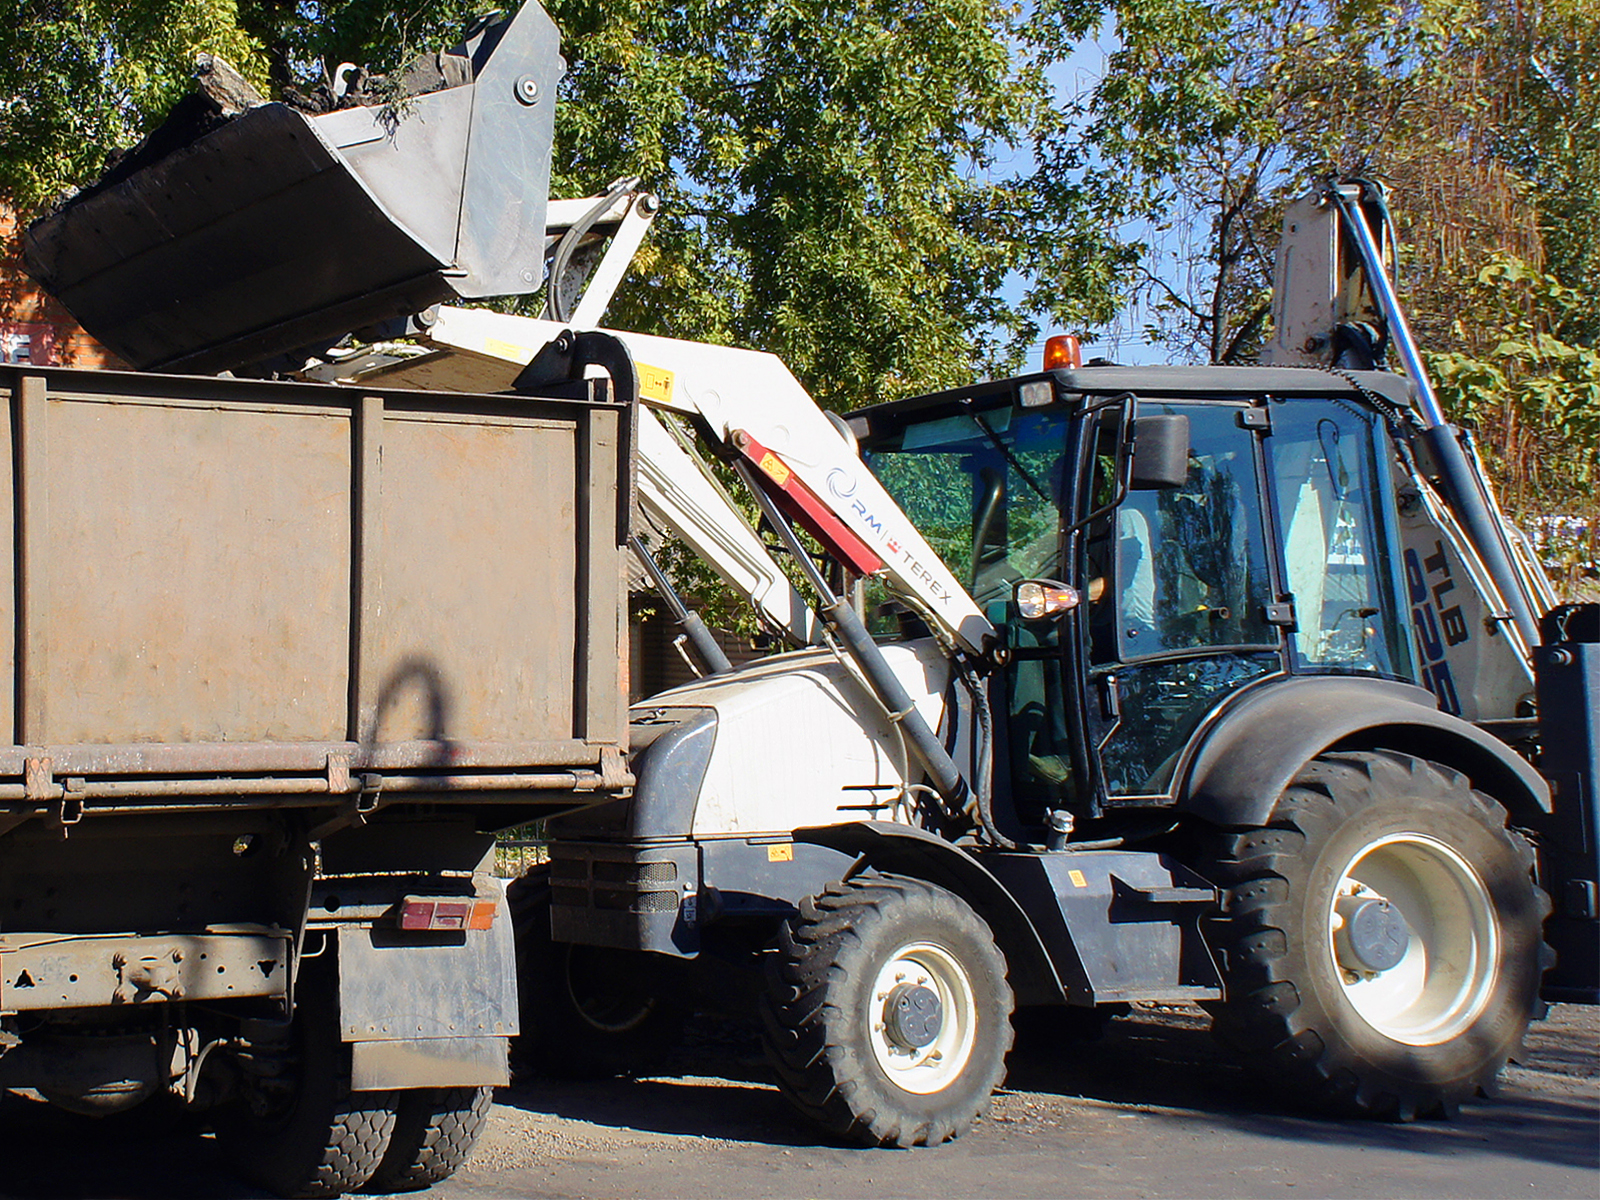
1224, 383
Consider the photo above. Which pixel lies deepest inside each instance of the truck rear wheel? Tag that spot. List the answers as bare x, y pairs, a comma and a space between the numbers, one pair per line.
587, 1012
1383, 941
886, 1013
305, 1133
435, 1130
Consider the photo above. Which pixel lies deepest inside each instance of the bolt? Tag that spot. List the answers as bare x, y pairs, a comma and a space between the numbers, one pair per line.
527, 90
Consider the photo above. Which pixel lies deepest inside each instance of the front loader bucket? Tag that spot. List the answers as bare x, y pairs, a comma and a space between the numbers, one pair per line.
280, 230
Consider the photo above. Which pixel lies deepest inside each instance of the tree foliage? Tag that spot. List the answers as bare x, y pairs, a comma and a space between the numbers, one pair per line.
847, 183
1478, 114
80, 77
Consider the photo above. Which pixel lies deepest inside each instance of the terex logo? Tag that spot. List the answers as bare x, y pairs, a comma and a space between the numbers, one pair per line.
844, 485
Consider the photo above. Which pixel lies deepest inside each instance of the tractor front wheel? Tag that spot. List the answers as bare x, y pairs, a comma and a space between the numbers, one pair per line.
886, 1014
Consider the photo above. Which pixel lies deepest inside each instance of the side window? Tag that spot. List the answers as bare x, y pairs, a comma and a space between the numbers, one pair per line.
1179, 584
1324, 476
1185, 568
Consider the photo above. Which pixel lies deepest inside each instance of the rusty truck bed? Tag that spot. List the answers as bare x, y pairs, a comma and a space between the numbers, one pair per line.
239, 593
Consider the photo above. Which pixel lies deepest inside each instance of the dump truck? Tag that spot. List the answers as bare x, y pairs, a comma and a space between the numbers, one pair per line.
280, 656
1226, 685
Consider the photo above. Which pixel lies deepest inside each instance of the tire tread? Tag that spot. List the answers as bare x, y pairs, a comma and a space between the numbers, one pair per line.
819, 1077
1265, 1016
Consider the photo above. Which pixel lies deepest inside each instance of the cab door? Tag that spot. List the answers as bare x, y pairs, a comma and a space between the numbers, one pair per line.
1181, 603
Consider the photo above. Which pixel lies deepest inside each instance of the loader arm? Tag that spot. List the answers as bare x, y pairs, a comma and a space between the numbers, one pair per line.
749, 406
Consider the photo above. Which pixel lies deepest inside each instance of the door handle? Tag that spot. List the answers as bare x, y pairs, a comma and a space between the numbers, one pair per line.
1110, 698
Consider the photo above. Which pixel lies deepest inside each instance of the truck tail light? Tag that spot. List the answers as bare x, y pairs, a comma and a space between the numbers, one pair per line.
446, 912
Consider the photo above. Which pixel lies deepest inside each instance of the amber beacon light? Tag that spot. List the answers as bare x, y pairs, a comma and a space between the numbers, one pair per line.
1062, 352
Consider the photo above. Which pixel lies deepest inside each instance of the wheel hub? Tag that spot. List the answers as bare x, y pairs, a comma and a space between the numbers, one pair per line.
913, 1016
923, 1018
1374, 936
1414, 938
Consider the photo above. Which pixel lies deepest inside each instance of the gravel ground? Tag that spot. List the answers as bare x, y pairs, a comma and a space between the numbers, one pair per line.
1152, 1109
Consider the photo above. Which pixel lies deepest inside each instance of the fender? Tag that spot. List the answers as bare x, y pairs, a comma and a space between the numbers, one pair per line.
906, 850
1256, 747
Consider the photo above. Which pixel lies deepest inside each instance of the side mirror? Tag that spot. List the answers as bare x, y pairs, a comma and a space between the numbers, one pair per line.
1160, 452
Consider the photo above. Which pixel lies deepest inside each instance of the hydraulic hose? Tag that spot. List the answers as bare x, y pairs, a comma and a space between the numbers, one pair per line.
886, 686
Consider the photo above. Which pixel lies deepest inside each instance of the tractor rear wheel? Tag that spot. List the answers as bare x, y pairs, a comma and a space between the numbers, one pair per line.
1382, 945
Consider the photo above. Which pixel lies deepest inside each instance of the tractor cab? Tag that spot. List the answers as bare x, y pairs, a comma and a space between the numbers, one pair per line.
1150, 543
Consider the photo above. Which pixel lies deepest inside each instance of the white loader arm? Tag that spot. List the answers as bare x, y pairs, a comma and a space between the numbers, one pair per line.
674, 492
751, 402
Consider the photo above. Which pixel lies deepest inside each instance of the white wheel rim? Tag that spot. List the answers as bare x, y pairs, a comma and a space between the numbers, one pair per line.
936, 1065
1446, 972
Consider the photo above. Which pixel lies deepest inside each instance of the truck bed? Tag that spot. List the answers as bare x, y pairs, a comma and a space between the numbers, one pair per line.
234, 593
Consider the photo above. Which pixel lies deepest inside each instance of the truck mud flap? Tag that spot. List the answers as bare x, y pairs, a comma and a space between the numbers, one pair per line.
279, 231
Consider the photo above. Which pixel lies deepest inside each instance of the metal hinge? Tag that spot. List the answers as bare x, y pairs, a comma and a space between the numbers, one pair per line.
614, 773
353, 811
1282, 615
1259, 418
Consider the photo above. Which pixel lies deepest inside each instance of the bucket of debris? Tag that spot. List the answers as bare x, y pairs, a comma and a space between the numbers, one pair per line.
240, 230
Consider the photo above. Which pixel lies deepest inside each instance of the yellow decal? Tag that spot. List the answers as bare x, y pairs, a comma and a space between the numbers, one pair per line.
509, 351
1077, 879
655, 383
783, 853
773, 466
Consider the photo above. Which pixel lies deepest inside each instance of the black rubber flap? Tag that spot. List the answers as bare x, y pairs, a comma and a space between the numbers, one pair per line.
254, 240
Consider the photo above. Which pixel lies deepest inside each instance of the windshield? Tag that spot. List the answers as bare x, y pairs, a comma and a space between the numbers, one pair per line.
985, 489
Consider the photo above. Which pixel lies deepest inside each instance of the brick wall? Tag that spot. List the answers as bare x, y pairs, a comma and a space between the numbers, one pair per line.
33, 326
655, 662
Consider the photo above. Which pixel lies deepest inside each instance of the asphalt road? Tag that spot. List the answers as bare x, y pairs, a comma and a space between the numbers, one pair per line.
1150, 1110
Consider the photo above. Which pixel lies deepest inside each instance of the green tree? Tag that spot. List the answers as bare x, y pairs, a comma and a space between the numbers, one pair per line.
847, 183
80, 77
1478, 114
1210, 115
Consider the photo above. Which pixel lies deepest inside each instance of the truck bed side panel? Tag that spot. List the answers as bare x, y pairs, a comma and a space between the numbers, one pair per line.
218, 575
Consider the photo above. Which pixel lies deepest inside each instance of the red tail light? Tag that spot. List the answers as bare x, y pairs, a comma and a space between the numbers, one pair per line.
446, 912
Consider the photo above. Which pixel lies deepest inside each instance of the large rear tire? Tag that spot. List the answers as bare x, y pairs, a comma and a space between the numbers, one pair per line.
886, 1013
435, 1130
587, 1012
313, 1136
1382, 945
